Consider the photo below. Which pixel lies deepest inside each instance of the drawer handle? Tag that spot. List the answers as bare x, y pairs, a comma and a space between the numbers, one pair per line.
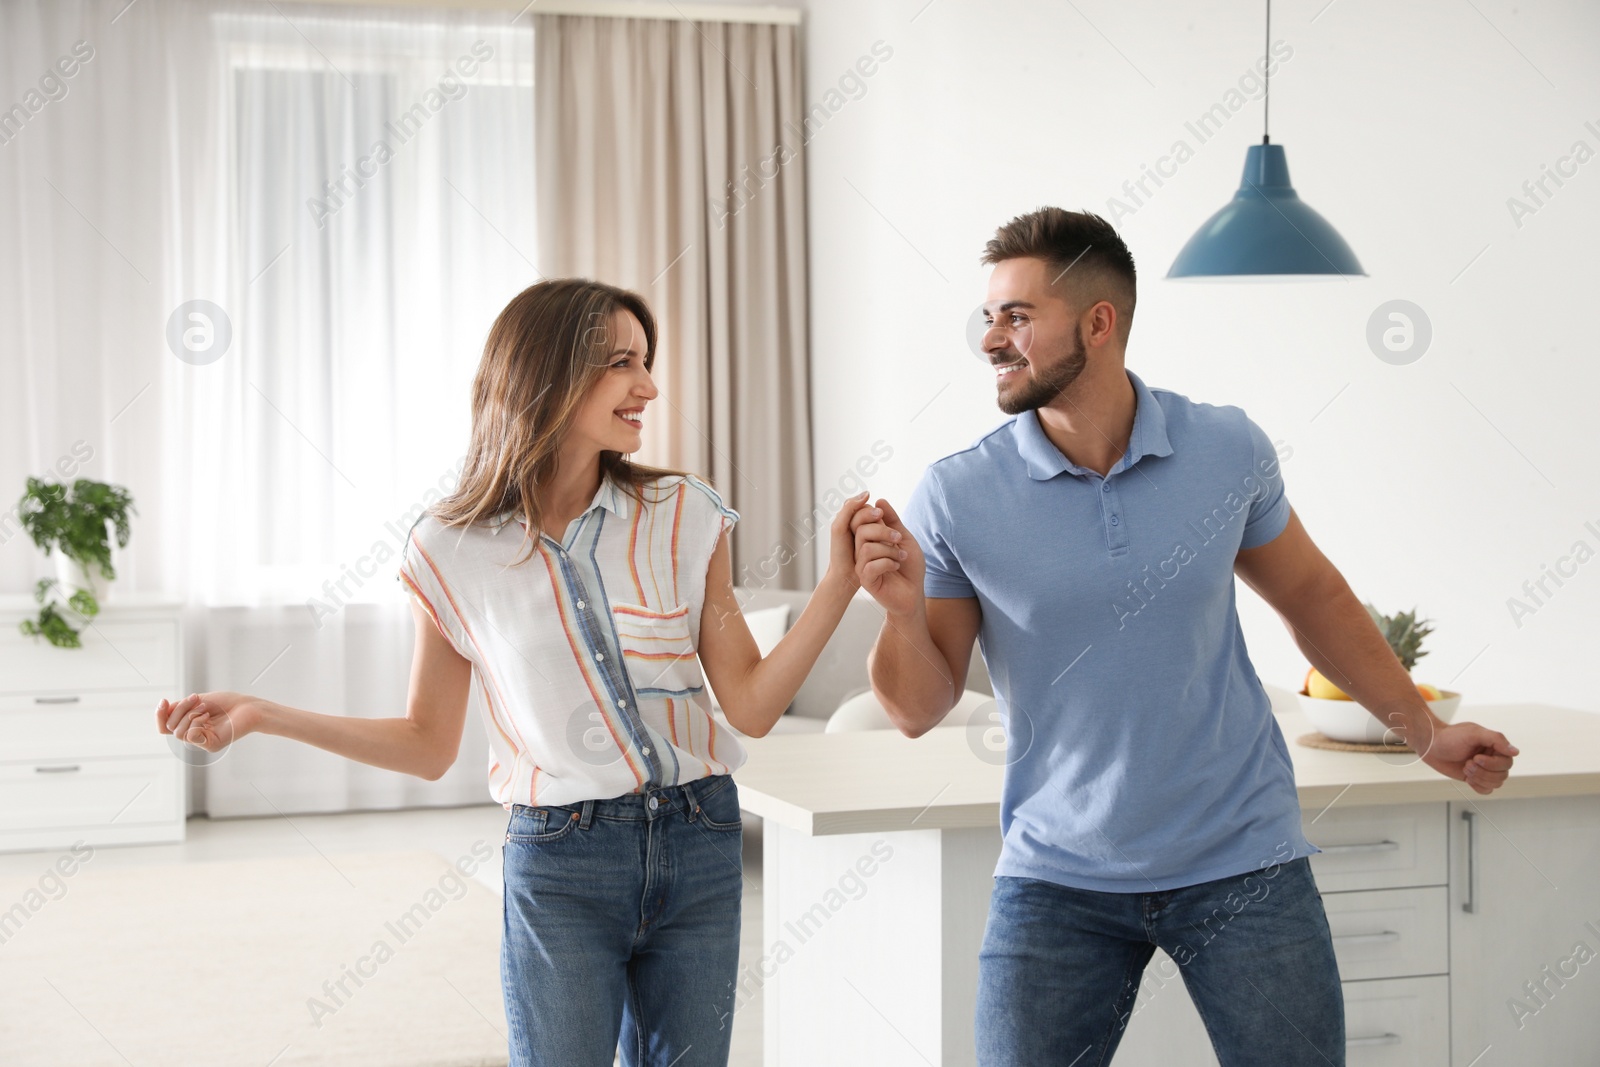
56, 700
1368, 939
1469, 898
1375, 1039
60, 768
1369, 846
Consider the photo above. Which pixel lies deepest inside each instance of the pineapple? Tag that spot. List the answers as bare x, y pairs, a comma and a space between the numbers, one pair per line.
1404, 632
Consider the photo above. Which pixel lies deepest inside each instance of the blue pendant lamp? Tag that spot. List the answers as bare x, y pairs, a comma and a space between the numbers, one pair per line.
1266, 232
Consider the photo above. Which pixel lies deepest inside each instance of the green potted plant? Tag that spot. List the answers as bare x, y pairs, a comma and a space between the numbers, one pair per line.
72, 524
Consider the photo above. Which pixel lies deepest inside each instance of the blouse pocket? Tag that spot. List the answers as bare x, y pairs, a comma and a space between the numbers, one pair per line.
658, 650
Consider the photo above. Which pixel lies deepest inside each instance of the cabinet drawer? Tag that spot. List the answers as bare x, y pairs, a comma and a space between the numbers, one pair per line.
93, 725
116, 654
1399, 1022
1390, 933
1378, 848
88, 793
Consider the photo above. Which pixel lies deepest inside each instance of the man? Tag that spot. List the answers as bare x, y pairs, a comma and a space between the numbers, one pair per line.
1091, 544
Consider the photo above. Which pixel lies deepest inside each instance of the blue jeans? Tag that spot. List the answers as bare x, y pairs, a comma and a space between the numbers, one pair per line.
1060, 968
622, 926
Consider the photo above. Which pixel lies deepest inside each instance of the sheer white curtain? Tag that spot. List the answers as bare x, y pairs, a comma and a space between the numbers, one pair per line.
350, 188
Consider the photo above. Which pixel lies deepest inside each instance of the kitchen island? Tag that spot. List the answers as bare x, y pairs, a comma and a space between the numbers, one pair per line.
1459, 920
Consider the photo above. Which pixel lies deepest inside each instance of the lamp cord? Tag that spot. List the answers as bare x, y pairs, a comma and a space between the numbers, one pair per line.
1266, 96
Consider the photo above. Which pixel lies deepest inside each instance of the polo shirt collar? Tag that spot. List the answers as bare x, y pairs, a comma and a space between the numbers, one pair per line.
1149, 438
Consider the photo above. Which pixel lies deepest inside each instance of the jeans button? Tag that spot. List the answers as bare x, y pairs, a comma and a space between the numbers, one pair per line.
653, 803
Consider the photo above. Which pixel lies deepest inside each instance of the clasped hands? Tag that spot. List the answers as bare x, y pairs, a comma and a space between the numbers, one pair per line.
872, 546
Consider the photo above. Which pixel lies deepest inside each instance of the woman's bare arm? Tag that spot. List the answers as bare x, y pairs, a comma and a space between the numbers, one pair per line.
754, 691
423, 743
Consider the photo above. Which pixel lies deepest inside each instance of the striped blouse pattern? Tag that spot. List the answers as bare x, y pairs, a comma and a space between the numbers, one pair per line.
584, 659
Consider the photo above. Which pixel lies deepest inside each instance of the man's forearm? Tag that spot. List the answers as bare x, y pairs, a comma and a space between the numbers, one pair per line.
1336, 634
909, 674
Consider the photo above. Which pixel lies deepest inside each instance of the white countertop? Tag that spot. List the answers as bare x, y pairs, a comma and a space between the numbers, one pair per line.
881, 780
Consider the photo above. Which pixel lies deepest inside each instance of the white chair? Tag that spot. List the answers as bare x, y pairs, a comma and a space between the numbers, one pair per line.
864, 712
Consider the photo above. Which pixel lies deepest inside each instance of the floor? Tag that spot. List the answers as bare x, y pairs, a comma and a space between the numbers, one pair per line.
451, 832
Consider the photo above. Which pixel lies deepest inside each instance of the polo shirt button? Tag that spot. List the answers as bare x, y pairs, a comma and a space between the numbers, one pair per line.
1115, 520
1105, 487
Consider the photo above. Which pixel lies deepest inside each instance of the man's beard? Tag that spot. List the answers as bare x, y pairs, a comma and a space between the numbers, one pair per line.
1050, 383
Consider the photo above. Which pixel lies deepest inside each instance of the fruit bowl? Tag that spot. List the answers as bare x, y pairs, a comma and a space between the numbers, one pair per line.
1345, 720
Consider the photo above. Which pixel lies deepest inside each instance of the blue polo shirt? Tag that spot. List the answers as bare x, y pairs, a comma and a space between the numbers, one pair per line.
1142, 753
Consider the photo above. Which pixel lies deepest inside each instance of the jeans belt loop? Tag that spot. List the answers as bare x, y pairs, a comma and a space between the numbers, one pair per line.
691, 801
588, 815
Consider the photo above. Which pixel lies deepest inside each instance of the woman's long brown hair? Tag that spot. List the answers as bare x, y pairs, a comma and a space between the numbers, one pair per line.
545, 351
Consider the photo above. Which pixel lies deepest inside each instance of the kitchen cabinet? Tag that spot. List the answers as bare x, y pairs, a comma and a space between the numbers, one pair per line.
1439, 921
1525, 931
1468, 933
1383, 876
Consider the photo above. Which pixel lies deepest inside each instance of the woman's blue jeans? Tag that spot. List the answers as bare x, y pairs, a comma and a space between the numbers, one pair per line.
1059, 970
622, 927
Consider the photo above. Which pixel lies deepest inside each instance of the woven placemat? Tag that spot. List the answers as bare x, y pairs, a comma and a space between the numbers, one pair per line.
1318, 740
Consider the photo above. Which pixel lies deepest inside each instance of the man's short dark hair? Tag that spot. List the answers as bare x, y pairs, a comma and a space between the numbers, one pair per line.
1083, 252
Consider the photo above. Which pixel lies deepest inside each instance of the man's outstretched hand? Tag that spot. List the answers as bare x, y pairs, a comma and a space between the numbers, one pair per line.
1469, 753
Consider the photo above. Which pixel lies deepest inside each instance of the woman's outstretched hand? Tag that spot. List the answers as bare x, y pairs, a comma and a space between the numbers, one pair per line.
842, 543
211, 721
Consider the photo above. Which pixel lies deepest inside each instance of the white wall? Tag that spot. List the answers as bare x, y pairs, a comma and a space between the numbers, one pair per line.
1446, 483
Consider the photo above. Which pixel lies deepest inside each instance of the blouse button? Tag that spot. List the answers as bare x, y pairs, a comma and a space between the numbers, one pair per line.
599, 655
622, 703
646, 751
580, 605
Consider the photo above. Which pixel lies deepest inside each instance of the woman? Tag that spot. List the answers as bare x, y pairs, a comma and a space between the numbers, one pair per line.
579, 596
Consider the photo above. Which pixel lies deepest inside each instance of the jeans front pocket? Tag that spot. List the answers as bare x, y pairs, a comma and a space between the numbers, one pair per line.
720, 809
538, 826
658, 650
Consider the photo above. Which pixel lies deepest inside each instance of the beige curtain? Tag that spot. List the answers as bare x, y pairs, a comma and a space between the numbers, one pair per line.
668, 160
